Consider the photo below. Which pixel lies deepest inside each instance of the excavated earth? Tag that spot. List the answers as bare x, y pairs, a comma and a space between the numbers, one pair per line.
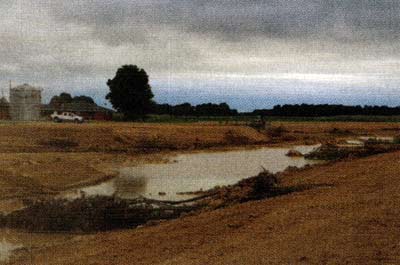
342, 213
346, 213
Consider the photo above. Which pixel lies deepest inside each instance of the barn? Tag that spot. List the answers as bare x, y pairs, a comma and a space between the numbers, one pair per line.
88, 111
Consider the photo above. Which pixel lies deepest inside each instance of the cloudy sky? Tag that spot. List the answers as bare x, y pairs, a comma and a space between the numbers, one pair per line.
250, 53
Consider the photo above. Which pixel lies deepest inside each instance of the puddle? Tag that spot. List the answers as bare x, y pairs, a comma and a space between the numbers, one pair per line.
354, 142
360, 141
378, 138
193, 172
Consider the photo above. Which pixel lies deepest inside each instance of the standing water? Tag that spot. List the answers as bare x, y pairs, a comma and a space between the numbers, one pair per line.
194, 172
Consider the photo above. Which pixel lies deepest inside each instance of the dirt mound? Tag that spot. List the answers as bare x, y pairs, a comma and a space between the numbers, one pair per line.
122, 137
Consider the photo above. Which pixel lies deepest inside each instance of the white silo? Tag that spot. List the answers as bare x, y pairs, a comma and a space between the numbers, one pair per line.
25, 103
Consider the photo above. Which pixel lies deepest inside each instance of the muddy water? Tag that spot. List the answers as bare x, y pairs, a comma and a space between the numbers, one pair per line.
360, 141
377, 138
183, 173
193, 172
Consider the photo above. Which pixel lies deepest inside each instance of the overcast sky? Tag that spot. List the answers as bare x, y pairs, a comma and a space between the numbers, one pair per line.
251, 54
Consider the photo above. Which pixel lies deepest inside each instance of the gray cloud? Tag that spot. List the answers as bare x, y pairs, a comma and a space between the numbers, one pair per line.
79, 43
348, 20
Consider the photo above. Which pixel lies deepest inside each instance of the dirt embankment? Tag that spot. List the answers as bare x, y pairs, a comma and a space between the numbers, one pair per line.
347, 215
40, 158
121, 137
125, 137
335, 131
44, 158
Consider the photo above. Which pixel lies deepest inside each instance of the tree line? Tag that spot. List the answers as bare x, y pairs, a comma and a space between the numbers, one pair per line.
186, 109
310, 110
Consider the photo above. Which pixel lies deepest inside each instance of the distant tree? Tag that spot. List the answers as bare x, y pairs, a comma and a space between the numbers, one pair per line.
130, 92
65, 98
185, 109
306, 110
61, 99
84, 99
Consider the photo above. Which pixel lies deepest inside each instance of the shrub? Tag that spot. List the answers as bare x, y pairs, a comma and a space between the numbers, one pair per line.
340, 131
264, 185
276, 131
86, 214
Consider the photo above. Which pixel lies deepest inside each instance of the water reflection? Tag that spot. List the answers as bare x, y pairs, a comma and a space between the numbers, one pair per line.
192, 172
377, 138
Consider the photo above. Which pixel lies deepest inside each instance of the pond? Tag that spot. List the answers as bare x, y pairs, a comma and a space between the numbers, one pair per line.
182, 173
194, 172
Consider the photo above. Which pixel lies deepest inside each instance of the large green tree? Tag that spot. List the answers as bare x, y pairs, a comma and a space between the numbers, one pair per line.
130, 92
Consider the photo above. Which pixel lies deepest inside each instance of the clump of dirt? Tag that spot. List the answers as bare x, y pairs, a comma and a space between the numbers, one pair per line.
294, 153
338, 131
264, 185
335, 152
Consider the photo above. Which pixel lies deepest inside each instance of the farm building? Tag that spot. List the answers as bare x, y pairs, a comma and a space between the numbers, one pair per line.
4, 109
89, 111
25, 103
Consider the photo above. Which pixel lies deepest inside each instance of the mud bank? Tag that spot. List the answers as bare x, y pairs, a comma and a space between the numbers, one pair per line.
342, 218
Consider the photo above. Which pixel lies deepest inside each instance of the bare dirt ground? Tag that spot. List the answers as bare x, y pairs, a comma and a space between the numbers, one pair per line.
42, 158
46, 158
349, 215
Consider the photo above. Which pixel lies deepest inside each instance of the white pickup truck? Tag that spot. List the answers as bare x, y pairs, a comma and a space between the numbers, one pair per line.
66, 116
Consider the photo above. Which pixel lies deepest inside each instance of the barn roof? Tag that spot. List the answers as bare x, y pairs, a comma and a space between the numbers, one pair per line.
77, 107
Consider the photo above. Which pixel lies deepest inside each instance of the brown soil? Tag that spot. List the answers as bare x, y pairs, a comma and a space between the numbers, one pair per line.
347, 214
121, 137
44, 158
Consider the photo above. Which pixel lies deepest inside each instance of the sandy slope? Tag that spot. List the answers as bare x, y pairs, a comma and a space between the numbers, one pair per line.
349, 215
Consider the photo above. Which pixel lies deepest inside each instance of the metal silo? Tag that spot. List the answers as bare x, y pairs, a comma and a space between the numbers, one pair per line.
25, 103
